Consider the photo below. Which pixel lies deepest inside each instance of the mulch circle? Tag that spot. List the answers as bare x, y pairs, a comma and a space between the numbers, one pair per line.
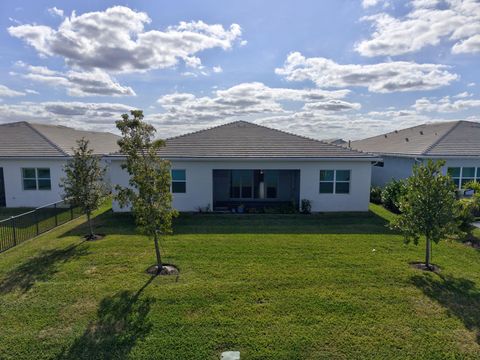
421, 266
95, 237
167, 269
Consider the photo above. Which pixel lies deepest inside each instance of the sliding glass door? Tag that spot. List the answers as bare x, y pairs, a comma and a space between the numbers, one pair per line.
254, 184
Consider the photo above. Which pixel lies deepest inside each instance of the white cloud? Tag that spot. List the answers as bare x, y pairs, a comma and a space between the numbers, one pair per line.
445, 105
55, 12
470, 45
84, 83
370, 3
462, 95
82, 115
427, 23
31, 91
217, 69
7, 92
381, 77
246, 100
116, 40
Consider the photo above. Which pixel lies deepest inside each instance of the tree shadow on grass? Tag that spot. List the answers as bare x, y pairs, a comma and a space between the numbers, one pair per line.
459, 296
39, 268
106, 222
109, 222
122, 320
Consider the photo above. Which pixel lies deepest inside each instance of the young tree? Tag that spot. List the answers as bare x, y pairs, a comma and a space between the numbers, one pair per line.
428, 208
149, 191
83, 184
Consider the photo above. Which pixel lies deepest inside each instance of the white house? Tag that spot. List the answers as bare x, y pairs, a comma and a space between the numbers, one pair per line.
241, 163
32, 157
456, 142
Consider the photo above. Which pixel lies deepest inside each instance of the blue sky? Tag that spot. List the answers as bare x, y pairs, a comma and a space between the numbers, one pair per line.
324, 69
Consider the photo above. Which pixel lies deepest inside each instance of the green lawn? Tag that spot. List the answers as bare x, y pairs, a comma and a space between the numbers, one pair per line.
271, 286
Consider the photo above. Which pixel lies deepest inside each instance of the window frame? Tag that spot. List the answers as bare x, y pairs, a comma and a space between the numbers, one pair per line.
178, 181
276, 177
37, 179
460, 178
334, 182
241, 185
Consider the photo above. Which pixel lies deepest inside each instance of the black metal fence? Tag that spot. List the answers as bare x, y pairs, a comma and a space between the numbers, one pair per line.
17, 229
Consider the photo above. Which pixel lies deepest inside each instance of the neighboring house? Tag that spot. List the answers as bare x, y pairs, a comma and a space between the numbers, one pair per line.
245, 164
456, 142
32, 157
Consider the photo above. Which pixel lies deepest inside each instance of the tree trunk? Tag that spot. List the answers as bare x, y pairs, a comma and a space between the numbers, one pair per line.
157, 252
427, 253
90, 225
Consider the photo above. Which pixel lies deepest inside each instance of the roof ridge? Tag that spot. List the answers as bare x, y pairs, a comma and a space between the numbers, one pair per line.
435, 143
410, 128
271, 129
202, 130
46, 139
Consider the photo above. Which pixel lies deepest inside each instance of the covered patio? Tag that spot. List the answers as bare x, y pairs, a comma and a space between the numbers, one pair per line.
240, 190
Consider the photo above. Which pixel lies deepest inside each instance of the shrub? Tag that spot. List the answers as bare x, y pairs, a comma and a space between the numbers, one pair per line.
392, 193
465, 215
376, 195
306, 206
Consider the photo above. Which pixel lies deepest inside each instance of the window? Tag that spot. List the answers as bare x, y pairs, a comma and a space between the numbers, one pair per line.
241, 184
271, 184
342, 181
36, 179
468, 174
334, 181
455, 172
179, 181
463, 175
327, 180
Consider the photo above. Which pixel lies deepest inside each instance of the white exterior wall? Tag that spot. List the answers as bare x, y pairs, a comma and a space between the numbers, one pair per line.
15, 196
199, 176
393, 168
402, 168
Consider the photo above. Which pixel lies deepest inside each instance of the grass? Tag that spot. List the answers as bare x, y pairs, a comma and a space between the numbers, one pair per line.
332, 286
30, 223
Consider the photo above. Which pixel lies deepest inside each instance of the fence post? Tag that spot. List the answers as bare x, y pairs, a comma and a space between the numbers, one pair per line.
55, 210
36, 222
14, 228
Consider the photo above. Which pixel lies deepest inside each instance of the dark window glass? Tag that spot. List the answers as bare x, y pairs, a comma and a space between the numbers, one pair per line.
326, 175
271, 184
179, 187
178, 175
454, 171
235, 184
44, 184
468, 172
342, 187
456, 182
326, 187
29, 173
43, 173
29, 184
343, 175
246, 192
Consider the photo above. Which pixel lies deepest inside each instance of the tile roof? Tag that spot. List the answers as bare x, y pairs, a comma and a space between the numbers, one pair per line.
242, 139
23, 139
453, 138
